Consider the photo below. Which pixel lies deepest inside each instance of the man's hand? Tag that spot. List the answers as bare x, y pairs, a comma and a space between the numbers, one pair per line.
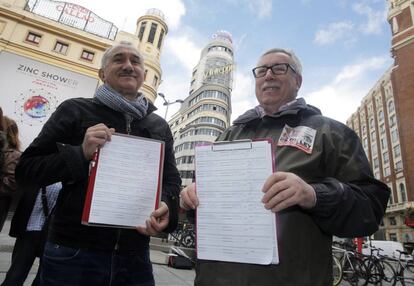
188, 197
283, 190
95, 137
157, 222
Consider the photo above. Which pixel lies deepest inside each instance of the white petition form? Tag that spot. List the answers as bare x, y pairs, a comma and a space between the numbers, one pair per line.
232, 223
127, 184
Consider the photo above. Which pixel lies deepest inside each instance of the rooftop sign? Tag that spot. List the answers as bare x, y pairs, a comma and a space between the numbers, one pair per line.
73, 15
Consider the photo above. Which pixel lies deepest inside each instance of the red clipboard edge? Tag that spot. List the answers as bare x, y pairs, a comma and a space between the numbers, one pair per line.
89, 192
160, 174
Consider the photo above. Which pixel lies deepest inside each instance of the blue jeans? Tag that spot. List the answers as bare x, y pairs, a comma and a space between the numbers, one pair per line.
65, 266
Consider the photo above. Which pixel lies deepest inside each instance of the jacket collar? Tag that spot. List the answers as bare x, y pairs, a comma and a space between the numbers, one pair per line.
151, 107
293, 107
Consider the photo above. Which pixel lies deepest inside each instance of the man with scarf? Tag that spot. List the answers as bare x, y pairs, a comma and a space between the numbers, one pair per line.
77, 254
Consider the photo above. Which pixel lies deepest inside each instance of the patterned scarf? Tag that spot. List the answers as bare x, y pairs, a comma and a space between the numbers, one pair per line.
112, 99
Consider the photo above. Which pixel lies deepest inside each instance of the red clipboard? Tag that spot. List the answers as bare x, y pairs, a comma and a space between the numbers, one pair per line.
149, 148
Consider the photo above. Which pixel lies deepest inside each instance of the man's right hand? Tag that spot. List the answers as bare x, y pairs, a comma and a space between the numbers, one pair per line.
95, 137
188, 197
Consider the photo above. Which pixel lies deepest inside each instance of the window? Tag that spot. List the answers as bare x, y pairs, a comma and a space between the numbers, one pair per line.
394, 136
402, 192
145, 74
87, 55
160, 39
384, 143
376, 163
373, 136
33, 38
151, 35
397, 151
381, 115
386, 157
61, 48
392, 220
382, 128
390, 106
398, 166
392, 120
387, 171
155, 81
392, 236
141, 30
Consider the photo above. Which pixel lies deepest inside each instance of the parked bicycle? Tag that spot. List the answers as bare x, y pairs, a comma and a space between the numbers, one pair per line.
378, 268
400, 274
354, 270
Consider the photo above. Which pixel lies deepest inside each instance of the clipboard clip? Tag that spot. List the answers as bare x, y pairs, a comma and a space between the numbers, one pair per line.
232, 145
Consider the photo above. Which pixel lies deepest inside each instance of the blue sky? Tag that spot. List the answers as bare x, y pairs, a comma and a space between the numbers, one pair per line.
344, 45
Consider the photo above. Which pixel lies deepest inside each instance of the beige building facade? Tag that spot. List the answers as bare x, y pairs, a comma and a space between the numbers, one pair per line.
72, 37
385, 122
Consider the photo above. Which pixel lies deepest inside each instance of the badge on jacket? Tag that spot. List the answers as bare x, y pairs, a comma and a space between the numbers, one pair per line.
301, 137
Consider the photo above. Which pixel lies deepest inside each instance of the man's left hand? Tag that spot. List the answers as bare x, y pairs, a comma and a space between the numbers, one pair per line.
283, 189
157, 222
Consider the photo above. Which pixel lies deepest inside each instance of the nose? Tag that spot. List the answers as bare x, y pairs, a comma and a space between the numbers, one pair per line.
269, 74
127, 65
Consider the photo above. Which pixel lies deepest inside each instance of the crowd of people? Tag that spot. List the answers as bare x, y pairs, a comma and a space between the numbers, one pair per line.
319, 191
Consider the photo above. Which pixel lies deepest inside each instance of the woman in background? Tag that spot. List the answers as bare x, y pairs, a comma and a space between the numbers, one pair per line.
11, 152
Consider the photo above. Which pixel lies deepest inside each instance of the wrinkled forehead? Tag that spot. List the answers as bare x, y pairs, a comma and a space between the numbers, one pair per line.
274, 58
125, 52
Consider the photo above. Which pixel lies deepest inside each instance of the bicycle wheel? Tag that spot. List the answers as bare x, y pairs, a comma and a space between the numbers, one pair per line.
360, 272
374, 270
388, 273
337, 271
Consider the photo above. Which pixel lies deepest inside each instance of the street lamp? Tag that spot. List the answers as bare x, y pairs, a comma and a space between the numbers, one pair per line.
168, 103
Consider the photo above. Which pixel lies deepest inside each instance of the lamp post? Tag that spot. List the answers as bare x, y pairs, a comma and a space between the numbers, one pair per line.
168, 103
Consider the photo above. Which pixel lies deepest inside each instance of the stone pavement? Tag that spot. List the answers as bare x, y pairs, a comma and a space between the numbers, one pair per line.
163, 274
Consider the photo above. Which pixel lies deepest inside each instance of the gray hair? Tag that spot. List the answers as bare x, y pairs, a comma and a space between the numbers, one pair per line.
295, 60
111, 50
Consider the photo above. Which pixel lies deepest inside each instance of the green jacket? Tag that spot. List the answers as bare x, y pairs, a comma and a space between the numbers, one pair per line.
350, 201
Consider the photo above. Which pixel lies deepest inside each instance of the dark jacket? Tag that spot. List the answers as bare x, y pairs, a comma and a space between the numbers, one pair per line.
56, 156
350, 201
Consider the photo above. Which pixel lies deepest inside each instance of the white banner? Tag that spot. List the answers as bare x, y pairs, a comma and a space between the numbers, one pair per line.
31, 91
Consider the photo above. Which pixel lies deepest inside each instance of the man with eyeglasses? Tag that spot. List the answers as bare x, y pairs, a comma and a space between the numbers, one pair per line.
322, 186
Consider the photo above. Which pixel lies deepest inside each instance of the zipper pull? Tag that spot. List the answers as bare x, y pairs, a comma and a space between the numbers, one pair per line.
128, 119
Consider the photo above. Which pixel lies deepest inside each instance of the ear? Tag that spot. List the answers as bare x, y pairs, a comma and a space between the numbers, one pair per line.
101, 74
298, 81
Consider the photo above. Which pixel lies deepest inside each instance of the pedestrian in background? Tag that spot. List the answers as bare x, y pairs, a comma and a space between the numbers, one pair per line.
323, 184
11, 154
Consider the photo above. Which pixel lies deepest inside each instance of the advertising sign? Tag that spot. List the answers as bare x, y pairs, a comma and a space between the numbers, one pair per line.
31, 91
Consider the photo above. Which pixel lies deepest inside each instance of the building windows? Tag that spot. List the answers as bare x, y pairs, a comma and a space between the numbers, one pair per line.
382, 128
386, 157
151, 35
381, 116
392, 220
33, 38
145, 75
392, 120
384, 143
87, 55
142, 30
160, 39
387, 171
392, 236
373, 136
376, 163
61, 48
155, 81
397, 151
374, 149
364, 130
398, 166
390, 106
371, 123
394, 136
402, 193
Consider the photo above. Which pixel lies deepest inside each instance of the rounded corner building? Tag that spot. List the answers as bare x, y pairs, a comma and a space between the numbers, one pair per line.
205, 113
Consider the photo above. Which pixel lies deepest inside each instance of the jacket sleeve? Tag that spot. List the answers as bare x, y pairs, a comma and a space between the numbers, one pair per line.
171, 183
10, 162
53, 156
350, 202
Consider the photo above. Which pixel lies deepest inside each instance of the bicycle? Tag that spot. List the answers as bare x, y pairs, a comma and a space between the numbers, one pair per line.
400, 274
378, 268
353, 268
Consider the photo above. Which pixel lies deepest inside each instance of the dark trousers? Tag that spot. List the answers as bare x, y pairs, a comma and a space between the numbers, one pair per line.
5, 202
66, 266
25, 251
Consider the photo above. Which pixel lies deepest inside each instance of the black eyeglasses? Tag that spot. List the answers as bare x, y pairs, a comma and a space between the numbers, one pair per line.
277, 69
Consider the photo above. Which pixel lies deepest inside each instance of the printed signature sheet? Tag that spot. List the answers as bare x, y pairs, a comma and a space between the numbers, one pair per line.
232, 223
128, 178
